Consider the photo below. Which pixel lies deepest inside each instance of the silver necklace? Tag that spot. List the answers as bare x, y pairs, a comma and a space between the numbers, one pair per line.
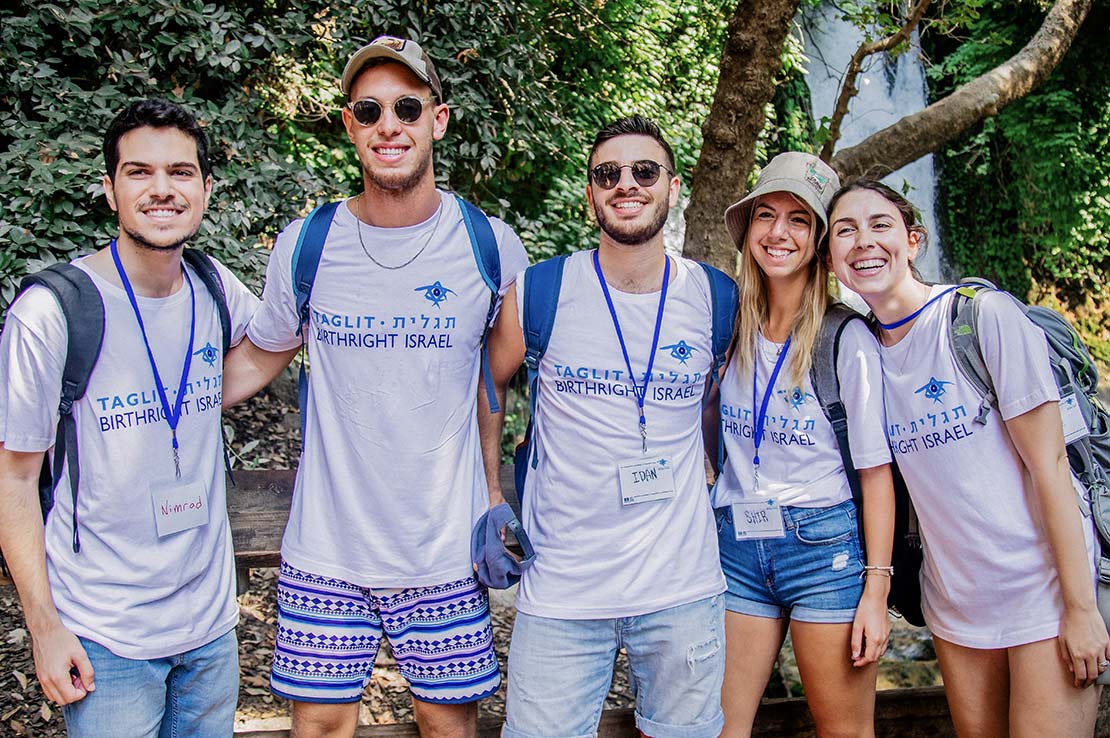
769, 354
431, 235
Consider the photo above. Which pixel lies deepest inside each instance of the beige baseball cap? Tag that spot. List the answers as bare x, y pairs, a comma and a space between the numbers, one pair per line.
400, 50
803, 175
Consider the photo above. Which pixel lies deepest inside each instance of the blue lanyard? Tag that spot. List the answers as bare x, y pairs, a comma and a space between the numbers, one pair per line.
915, 313
640, 391
761, 416
173, 416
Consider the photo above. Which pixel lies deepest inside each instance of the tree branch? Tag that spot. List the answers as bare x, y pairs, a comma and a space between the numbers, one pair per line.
945, 120
848, 89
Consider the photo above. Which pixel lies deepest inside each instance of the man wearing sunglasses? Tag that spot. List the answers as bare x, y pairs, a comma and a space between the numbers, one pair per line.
390, 481
616, 504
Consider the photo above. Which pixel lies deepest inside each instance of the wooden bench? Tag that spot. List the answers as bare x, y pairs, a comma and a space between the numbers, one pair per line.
258, 507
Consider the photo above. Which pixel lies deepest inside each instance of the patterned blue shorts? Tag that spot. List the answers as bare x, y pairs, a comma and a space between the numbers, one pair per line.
329, 632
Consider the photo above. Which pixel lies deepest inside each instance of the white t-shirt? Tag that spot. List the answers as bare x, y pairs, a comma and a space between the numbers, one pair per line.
390, 480
800, 462
140, 595
598, 558
988, 579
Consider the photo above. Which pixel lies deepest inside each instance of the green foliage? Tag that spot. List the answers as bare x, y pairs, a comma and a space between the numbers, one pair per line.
67, 69
529, 82
611, 59
1026, 197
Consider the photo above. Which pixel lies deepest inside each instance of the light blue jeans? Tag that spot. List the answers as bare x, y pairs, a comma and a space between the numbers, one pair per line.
192, 694
560, 672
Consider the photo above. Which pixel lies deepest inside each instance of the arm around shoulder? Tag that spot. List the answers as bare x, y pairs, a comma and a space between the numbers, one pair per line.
248, 368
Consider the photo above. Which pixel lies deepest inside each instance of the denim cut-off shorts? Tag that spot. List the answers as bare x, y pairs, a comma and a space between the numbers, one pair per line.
813, 574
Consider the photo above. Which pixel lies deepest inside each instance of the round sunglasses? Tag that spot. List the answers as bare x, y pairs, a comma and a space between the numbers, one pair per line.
607, 174
408, 109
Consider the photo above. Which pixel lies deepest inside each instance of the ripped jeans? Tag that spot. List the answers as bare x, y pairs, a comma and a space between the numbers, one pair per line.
813, 573
560, 671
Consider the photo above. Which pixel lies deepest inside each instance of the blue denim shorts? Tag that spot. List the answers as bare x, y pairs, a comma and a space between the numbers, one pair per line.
813, 574
560, 672
189, 694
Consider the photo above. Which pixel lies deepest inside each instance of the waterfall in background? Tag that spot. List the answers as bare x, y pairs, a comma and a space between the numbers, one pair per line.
889, 88
674, 230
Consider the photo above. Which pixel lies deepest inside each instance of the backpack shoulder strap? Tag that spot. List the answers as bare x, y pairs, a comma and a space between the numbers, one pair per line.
483, 242
306, 260
307, 252
488, 258
542, 283
826, 385
84, 313
963, 339
206, 270
724, 296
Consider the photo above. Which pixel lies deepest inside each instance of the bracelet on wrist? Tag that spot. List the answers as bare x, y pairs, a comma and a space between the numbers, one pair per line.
883, 571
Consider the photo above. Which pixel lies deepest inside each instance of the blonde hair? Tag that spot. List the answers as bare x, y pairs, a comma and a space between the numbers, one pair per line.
753, 309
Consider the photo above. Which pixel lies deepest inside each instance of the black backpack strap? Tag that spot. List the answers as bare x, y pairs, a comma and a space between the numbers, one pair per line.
84, 313
206, 270
214, 283
826, 385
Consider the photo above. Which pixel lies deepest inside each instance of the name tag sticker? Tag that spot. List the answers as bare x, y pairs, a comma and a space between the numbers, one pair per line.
645, 479
179, 507
1075, 426
757, 519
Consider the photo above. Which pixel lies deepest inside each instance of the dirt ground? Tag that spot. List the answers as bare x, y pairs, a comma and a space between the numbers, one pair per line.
25, 713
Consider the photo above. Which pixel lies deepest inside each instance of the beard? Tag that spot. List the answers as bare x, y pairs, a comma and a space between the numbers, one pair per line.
144, 243
632, 235
392, 181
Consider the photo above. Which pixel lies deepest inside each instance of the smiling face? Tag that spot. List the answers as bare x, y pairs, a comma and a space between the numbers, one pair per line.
158, 190
631, 214
780, 237
870, 245
395, 156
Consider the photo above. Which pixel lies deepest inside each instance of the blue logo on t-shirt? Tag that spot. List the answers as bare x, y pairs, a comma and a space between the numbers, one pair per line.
679, 351
933, 389
796, 397
435, 292
208, 353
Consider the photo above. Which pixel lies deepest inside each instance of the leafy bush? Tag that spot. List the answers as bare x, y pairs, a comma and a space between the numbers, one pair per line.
67, 69
529, 83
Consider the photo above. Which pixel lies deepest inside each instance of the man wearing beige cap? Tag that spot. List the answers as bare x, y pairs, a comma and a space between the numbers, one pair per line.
390, 480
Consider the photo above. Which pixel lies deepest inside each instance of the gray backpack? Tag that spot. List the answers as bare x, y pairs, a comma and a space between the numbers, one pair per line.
1077, 379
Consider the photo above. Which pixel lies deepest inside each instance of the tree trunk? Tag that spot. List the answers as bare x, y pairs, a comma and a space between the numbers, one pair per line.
945, 120
751, 60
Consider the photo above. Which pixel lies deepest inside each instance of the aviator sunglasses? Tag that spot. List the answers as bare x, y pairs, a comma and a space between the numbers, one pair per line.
408, 109
607, 174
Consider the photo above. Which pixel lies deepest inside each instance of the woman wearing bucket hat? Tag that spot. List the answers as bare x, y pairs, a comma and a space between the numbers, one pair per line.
1007, 582
789, 535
